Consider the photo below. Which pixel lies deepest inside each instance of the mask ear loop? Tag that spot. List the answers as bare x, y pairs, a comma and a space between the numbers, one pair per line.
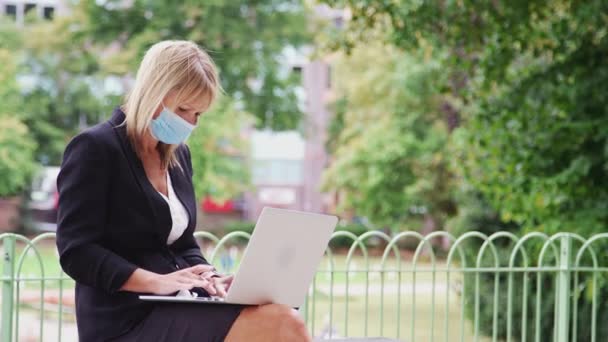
164, 107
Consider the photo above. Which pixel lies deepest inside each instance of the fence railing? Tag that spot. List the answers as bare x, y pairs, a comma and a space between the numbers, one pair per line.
501, 287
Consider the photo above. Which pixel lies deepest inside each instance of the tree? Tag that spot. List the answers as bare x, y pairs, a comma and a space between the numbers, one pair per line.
10, 40
388, 137
219, 151
532, 94
16, 145
534, 101
61, 91
246, 39
66, 64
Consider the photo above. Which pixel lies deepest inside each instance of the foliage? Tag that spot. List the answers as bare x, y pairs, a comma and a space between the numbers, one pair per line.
343, 241
339, 242
528, 79
239, 226
16, 144
246, 40
74, 69
218, 148
477, 215
388, 137
16, 156
9, 89
56, 93
529, 76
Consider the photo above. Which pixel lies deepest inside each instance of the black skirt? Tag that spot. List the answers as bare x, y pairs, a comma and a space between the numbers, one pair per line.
185, 322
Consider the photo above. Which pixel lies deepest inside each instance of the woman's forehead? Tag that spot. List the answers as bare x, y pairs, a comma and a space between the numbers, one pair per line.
199, 103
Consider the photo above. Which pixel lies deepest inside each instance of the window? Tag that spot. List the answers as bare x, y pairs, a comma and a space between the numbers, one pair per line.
277, 172
29, 7
48, 12
338, 22
11, 10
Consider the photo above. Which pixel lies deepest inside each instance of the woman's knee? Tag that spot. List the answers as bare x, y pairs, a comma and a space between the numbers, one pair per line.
289, 320
277, 309
279, 322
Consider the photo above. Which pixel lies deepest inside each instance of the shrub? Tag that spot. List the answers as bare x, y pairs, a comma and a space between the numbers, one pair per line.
477, 215
17, 163
346, 242
239, 226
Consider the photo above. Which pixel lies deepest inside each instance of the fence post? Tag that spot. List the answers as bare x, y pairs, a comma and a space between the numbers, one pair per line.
563, 307
8, 286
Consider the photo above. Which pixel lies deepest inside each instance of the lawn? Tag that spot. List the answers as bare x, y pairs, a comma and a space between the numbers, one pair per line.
417, 306
33, 268
367, 321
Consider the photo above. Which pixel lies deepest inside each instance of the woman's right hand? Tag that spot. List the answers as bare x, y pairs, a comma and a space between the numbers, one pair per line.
143, 281
186, 279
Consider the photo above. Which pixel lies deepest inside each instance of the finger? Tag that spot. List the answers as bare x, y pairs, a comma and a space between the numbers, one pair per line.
187, 281
210, 288
208, 274
201, 283
193, 281
191, 276
221, 288
228, 281
198, 269
197, 280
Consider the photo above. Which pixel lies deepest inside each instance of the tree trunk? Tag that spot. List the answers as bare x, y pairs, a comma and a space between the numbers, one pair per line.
9, 213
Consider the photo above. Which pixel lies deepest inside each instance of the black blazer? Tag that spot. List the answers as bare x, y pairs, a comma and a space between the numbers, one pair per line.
111, 221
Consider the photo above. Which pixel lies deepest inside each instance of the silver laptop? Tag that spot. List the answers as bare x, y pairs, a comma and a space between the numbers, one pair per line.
279, 262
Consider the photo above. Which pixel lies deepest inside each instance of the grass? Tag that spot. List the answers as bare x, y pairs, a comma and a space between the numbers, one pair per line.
415, 323
34, 268
411, 310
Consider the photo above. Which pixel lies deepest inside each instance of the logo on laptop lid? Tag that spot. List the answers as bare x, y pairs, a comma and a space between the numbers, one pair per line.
286, 255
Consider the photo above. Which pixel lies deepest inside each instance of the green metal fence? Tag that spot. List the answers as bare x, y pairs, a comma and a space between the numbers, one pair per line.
480, 288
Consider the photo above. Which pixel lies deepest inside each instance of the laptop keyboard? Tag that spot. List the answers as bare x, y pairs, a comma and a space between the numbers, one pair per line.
210, 299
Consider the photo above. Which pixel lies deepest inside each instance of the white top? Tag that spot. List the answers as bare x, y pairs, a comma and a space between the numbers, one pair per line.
179, 215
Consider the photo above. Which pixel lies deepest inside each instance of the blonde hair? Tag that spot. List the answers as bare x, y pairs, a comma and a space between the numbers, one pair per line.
168, 66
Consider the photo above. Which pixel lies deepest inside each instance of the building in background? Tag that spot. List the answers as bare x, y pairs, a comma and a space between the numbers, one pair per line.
287, 167
316, 76
19, 9
277, 171
317, 88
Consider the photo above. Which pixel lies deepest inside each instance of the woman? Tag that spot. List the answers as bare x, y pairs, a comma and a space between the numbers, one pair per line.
127, 213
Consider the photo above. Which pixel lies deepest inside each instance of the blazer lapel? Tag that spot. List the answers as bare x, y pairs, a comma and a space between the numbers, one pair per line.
158, 206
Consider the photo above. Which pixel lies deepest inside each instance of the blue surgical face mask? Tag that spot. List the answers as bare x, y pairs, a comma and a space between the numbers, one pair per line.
170, 128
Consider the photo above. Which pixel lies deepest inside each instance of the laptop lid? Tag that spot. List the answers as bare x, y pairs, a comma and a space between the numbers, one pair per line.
282, 257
